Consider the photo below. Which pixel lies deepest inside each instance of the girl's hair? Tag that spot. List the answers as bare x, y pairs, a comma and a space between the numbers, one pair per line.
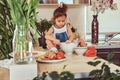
60, 11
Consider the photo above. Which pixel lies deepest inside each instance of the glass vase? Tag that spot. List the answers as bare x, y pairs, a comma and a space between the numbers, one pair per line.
95, 29
21, 46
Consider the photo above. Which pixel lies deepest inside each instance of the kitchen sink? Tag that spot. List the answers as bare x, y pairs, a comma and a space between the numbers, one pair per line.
114, 44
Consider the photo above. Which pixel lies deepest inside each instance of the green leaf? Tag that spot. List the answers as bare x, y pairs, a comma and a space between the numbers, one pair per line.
96, 73
43, 26
106, 71
43, 76
93, 63
6, 29
66, 75
35, 78
114, 76
110, 56
118, 71
54, 75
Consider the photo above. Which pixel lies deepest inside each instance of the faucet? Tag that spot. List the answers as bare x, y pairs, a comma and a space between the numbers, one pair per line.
108, 37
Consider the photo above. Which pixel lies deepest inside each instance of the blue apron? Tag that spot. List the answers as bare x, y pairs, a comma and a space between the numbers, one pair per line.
62, 36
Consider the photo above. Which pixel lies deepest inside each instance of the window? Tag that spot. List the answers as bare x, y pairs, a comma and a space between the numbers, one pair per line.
103, 36
66, 1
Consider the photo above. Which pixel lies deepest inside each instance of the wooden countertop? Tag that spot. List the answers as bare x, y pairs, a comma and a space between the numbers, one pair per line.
74, 64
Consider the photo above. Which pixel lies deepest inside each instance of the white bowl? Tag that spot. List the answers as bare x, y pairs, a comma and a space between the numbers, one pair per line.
68, 48
80, 50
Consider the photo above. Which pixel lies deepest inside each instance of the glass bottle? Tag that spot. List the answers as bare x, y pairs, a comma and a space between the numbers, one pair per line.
95, 29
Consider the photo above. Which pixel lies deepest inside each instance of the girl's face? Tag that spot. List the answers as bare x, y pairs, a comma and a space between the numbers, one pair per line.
60, 21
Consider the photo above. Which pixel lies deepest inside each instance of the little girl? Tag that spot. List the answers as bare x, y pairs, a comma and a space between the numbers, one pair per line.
60, 31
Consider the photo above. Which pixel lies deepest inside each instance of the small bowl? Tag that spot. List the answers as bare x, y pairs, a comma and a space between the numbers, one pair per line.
68, 48
80, 50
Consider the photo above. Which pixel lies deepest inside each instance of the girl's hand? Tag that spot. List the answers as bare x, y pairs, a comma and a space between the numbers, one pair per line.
68, 41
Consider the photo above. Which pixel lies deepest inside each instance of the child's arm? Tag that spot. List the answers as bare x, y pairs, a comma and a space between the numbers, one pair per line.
71, 35
49, 36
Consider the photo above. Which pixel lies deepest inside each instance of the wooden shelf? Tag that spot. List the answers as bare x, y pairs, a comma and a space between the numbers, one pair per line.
55, 5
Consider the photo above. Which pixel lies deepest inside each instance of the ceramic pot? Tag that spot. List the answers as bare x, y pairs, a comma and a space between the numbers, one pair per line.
42, 42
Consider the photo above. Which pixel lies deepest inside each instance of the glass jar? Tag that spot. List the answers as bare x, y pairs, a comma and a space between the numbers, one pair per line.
21, 46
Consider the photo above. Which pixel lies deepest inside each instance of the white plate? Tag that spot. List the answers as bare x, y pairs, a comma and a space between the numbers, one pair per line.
51, 61
39, 53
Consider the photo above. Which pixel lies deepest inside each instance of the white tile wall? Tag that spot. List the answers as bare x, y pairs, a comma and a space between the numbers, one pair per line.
76, 15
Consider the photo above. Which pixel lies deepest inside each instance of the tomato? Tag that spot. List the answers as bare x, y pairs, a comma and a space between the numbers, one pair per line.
60, 55
91, 48
91, 52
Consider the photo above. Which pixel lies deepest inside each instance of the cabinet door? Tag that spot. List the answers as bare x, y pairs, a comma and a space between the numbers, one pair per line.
104, 52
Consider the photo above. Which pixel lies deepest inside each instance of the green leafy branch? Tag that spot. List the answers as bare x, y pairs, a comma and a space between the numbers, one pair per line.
65, 75
6, 30
43, 26
104, 73
23, 13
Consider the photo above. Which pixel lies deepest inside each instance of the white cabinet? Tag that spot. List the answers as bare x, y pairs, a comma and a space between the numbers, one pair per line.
23, 72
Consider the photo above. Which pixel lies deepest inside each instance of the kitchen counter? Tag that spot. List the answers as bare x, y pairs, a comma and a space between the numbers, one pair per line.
103, 46
75, 64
